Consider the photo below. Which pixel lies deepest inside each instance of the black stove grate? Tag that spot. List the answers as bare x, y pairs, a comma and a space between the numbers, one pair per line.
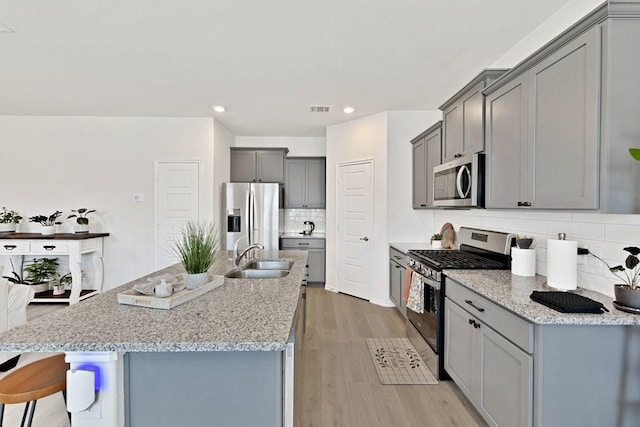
443, 259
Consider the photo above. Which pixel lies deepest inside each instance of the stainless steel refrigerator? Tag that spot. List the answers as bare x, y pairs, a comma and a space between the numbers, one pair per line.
251, 211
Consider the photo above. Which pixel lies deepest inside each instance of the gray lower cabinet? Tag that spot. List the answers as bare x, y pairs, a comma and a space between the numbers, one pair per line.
316, 258
426, 153
463, 117
305, 183
494, 373
577, 95
257, 165
397, 274
517, 373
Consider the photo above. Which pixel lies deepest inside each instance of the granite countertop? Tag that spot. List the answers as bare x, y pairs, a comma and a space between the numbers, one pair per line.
405, 247
512, 292
240, 315
297, 235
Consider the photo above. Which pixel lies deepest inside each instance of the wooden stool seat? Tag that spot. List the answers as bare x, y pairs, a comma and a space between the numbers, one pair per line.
34, 381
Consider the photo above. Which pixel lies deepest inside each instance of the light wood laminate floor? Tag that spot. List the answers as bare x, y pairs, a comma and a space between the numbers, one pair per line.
340, 384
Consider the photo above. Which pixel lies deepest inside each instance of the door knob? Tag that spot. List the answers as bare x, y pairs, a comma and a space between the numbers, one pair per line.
366, 239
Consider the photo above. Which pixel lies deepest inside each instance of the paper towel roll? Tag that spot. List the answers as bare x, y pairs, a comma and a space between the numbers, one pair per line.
562, 264
523, 262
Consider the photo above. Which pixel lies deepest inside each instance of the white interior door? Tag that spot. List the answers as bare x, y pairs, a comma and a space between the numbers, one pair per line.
354, 227
177, 197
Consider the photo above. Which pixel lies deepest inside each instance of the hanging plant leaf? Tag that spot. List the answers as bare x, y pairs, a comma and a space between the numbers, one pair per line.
616, 268
635, 153
632, 250
631, 262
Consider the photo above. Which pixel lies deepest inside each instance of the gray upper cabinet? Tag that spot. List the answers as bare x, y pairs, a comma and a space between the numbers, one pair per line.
581, 110
305, 183
463, 114
426, 153
257, 165
506, 166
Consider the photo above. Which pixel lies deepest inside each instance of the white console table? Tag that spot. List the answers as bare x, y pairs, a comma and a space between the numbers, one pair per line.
71, 245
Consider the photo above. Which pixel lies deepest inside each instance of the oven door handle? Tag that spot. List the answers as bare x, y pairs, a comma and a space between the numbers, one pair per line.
429, 281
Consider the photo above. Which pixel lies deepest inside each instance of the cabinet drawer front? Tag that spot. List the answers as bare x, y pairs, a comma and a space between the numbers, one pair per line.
49, 247
514, 328
14, 246
397, 256
302, 243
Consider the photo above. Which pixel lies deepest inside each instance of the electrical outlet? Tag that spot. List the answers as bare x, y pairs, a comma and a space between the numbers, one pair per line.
138, 197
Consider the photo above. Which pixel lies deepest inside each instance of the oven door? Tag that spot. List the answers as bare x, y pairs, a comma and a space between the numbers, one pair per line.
459, 183
427, 323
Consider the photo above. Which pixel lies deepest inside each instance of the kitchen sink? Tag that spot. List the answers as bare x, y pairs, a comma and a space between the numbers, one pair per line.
269, 265
257, 274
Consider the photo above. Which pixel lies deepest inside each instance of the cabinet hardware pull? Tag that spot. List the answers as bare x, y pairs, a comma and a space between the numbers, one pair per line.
397, 266
303, 244
519, 203
476, 324
365, 238
471, 321
49, 247
10, 247
468, 301
526, 204
397, 256
423, 206
456, 156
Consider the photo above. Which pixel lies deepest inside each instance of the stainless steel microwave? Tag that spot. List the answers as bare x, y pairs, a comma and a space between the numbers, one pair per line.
460, 182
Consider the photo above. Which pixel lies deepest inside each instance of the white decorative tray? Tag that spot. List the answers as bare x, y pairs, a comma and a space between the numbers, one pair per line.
132, 297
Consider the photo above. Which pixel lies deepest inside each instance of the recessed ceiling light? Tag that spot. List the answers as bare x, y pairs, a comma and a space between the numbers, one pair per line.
348, 110
219, 109
5, 29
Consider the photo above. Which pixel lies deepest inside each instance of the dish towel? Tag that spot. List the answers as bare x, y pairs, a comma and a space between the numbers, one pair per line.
415, 302
407, 284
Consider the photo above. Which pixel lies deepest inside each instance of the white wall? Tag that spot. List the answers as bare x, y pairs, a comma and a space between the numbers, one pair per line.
405, 224
223, 139
383, 137
566, 16
63, 163
364, 138
298, 146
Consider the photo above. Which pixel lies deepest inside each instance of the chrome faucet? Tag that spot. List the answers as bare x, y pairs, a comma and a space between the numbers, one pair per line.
237, 256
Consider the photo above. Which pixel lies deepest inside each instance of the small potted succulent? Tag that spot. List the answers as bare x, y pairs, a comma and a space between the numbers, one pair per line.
628, 292
82, 222
9, 220
436, 241
48, 222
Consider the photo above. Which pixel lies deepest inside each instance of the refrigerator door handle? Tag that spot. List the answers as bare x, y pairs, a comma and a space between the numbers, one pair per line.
252, 217
248, 221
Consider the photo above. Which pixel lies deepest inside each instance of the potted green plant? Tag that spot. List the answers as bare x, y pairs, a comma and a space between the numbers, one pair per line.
48, 222
61, 283
41, 271
82, 222
196, 248
627, 293
436, 241
9, 219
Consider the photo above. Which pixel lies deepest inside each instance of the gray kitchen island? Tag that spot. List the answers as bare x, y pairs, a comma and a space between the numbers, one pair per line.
225, 358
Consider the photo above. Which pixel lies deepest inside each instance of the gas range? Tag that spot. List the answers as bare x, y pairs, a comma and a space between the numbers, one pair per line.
479, 249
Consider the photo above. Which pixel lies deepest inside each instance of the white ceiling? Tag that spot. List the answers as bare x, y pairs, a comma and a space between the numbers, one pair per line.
265, 60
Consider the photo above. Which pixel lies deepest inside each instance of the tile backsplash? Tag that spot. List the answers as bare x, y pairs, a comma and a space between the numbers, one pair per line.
294, 219
604, 235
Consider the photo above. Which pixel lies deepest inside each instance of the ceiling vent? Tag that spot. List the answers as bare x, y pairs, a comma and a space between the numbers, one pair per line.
320, 108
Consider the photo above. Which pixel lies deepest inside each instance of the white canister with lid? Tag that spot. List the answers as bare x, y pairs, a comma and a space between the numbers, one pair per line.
523, 262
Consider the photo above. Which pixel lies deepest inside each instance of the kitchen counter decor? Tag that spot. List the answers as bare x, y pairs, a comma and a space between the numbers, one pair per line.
135, 297
627, 293
196, 249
